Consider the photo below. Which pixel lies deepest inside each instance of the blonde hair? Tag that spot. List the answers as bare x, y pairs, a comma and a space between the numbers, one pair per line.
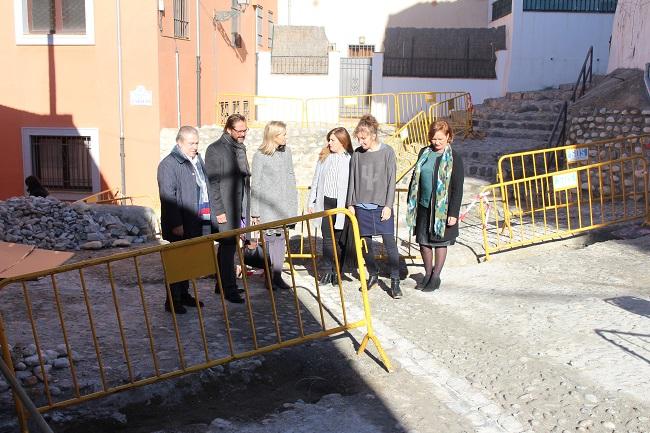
344, 138
271, 130
367, 122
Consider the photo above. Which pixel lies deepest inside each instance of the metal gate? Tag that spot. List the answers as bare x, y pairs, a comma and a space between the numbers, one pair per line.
356, 79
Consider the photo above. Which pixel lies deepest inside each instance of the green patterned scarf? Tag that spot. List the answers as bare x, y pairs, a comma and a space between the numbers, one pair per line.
412, 200
442, 190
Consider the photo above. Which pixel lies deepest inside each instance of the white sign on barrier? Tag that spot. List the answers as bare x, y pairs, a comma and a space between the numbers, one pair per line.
565, 181
404, 134
352, 101
573, 155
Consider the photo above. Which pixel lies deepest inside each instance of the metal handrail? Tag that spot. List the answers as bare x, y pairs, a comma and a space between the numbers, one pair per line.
584, 73
24, 399
561, 120
646, 78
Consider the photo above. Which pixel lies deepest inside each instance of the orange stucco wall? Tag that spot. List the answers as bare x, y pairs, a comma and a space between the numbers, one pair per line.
224, 69
77, 86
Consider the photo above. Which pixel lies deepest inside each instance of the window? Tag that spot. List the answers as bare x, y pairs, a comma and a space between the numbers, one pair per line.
270, 29
260, 22
181, 20
65, 159
54, 22
360, 50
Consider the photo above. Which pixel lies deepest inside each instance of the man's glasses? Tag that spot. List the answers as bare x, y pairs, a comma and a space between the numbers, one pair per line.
241, 131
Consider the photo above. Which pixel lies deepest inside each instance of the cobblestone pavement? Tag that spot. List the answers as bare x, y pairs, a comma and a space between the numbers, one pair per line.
554, 338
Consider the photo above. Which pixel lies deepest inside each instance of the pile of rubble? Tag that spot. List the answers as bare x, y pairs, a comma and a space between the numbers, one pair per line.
29, 371
52, 224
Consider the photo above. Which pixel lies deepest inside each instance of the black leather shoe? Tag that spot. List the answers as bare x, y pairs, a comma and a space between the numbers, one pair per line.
235, 298
433, 284
178, 307
373, 280
422, 284
189, 301
395, 291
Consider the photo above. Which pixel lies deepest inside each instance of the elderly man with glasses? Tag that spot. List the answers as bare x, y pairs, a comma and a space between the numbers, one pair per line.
229, 186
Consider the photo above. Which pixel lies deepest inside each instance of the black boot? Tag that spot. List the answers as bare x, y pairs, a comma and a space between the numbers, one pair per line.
372, 281
395, 291
326, 278
279, 282
178, 306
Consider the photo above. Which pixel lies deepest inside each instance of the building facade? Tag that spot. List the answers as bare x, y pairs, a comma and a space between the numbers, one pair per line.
92, 83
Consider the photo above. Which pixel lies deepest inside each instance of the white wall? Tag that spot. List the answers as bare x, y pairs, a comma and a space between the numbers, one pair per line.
346, 21
294, 86
630, 35
549, 48
478, 88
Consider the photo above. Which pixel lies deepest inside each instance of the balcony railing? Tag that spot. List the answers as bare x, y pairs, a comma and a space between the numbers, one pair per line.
501, 8
597, 6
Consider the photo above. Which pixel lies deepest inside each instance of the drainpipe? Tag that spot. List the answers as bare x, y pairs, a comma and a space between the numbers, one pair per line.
120, 101
178, 92
198, 66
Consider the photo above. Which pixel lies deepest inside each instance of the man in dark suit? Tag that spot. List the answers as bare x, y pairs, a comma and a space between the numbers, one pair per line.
229, 186
184, 204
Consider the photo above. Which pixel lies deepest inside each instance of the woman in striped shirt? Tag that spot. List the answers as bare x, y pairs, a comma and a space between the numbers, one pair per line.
328, 191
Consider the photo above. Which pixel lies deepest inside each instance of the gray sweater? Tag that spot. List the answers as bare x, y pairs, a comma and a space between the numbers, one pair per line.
273, 186
372, 177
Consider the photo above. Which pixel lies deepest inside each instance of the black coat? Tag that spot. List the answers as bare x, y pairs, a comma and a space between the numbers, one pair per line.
179, 196
228, 184
454, 195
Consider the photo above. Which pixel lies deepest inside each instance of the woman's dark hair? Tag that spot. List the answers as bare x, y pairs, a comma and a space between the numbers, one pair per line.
367, 122
441, 125
35, 188
342, 135
231, 120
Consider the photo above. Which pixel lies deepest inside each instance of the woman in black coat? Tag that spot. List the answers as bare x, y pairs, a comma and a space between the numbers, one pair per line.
434, 199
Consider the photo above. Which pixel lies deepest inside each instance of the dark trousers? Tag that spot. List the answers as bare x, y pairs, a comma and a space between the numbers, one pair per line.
226, 260
328, 247
393, 256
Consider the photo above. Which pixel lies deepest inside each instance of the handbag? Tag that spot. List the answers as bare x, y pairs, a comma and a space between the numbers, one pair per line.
253, 254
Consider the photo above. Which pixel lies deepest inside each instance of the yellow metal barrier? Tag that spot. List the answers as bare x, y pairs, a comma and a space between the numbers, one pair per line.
455, 110
106, 196
259, 110
346, 110
105, 315
532, 163
411, 103
407, 142
554, 205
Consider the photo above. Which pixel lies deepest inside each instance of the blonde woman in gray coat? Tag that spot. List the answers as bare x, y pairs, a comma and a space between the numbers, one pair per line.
328, 191
274, 195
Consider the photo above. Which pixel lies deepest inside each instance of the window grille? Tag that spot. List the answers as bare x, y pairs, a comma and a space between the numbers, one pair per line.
260, 22
62, 162
56, 16
181, 20
360, 50
271, 29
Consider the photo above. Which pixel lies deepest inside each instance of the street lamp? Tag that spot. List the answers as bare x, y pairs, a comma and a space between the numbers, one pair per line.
238, 7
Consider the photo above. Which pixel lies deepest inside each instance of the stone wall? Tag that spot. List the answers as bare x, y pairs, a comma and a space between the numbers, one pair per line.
595, 124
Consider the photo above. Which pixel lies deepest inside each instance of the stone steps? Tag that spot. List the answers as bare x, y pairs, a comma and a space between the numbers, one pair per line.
512, 124
538, 135
484, 113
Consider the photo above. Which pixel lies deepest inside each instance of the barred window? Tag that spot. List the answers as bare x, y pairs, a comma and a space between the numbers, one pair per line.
271, 29
55, 16
181, 20
360, 50
62, 162
259, 24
